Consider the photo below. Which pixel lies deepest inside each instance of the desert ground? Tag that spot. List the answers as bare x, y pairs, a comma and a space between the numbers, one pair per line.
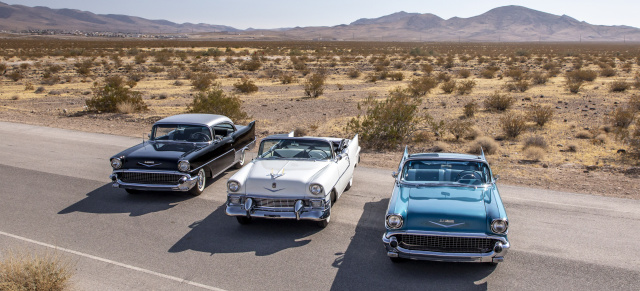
587, 146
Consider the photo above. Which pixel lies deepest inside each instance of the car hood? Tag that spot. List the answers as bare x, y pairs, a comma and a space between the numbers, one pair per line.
448, 209
290, 177
159, 155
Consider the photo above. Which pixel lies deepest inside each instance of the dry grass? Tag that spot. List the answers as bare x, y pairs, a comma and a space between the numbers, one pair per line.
35, 272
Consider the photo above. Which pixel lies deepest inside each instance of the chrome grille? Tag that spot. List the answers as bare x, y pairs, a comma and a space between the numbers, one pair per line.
276, 204
149, 178
445, 244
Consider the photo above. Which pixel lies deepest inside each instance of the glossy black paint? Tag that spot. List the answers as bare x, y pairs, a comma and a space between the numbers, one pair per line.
214, 156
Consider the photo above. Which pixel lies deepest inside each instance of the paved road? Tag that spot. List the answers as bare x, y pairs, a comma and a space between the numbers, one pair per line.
55, 193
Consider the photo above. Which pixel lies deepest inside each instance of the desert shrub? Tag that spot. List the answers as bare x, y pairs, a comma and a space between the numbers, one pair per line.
619, 86
174, 74
287, 78
35, 272
125, 108
539, 78
535, 141
215, 101
438, 147
499, 102
607, 72
438, 127
513, 124
156, 69
534, 153
136, 77
83, 68
245, 85
426, 68
396, 76
40, 90
581, 76
421, 86
3, 68
371, 77
177, 83
473, 133
202, 81
465, 87
517, 86
488, 73
540, 114
107, 97
314, 85
464, 73
140, 58
15, 75
459, 128
353, 73
487, 144
600, 139
572, 148
516, 74
387, 123
49, 78
584, 134
574, 86
634, 102
28, 86
448, 87
622, 117
250, 65
300, 131
470, 109
443, 77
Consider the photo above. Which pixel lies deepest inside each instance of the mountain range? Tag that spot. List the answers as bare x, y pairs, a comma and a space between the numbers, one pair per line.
507, 23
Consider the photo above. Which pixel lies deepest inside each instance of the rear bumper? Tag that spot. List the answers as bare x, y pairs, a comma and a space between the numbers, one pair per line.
184, 184
490, 257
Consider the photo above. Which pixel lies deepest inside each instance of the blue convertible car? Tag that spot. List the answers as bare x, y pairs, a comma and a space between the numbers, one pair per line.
445, 207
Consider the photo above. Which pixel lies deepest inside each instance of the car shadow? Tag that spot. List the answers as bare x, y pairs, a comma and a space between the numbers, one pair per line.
366, 255
219, 233
107, 199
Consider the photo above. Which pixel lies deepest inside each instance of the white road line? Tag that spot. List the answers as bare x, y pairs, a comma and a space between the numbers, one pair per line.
113, 262
565, 204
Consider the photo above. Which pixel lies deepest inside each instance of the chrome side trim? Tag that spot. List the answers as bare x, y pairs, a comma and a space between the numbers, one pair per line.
209, 162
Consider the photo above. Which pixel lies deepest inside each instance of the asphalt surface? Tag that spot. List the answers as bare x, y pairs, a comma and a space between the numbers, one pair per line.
56, 199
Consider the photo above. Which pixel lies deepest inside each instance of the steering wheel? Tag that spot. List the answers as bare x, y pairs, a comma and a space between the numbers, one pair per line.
468, 175
325, 154
199, 136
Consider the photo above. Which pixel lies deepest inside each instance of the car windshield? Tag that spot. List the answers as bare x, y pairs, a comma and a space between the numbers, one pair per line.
181, 133
295, 149
438, 172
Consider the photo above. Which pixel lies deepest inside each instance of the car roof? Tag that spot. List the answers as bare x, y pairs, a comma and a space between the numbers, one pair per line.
195, 118
444, 156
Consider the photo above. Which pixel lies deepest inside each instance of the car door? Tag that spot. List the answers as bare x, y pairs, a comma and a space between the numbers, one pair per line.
224, 154
353, 150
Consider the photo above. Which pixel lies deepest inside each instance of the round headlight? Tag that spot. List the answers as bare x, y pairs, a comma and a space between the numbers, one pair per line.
116, 163
233, 186
394, 221
499, 225
316, 189
183, 166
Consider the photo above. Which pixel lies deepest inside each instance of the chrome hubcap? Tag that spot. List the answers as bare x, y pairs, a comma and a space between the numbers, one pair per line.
201, 180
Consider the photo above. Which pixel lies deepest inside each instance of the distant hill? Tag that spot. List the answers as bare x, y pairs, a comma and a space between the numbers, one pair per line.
19, 17
507, 24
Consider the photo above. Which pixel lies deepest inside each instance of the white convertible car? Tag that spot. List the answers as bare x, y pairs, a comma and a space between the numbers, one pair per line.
293, 178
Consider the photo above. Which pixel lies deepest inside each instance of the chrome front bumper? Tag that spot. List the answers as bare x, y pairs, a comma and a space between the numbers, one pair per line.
298, 212
400, 252
184, 184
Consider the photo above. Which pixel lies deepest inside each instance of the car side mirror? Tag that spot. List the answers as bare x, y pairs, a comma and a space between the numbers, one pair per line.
339, 157
496, 177
394, 175
149, 135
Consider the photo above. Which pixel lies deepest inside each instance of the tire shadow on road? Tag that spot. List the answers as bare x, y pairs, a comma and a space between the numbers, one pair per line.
365, 265
219, 233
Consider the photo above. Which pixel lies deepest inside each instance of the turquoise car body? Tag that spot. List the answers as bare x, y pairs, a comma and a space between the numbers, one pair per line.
446, 210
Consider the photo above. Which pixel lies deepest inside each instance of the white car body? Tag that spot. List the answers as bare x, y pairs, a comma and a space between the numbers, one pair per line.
280, 187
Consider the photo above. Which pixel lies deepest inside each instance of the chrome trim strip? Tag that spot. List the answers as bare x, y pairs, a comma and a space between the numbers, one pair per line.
150, 171
209, 162
390, 233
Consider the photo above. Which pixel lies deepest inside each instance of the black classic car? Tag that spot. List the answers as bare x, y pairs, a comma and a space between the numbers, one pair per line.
182, 151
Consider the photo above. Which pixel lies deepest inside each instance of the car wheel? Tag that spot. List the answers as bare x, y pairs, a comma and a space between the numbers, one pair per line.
397, 260
200, 184
240, 163
349, 185
243, 220
324, 223
133, 191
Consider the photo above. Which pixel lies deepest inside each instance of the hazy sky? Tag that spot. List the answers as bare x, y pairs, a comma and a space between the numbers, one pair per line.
243, 14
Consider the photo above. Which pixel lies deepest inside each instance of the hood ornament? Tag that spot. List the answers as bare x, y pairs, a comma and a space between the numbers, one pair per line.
276, 175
